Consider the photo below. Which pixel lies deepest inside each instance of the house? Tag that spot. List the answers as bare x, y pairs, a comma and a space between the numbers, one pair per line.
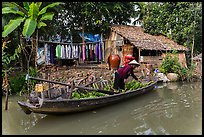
146, 48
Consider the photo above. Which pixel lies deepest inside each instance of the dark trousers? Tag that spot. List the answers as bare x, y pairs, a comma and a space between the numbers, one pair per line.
118, 82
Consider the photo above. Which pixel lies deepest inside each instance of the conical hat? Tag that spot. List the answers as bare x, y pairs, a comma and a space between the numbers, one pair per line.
133, 62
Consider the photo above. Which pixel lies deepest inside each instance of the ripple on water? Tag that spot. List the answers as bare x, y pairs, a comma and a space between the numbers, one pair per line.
157, 107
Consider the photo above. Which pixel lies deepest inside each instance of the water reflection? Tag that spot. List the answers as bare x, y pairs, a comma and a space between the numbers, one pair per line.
175, 108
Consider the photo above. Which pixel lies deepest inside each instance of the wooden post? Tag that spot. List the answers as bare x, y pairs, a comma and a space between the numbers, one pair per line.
83, 42
139, 55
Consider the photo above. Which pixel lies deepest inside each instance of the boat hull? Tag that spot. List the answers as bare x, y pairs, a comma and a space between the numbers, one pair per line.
65, 106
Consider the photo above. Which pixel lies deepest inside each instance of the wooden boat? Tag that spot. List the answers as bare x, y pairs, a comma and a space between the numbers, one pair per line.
70, 105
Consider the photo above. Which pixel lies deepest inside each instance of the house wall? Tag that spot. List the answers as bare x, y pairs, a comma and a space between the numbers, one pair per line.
110, 45
154, 60
127, 49
114, 46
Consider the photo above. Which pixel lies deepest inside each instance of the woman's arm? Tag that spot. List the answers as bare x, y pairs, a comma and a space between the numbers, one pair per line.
133, 75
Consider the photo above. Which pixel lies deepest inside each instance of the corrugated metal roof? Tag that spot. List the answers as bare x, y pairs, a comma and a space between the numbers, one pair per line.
137, 37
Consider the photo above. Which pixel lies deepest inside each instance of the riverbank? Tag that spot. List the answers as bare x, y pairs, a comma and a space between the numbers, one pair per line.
79, 73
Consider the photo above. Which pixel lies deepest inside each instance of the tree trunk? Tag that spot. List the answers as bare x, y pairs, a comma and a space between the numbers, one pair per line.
21, 55
21, 44
36, 49
192, 50
6, 83
83, 42
193, 38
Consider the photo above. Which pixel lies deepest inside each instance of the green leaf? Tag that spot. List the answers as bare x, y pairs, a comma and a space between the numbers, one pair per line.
12, 25
26, 5
33, 11
41, 24
98, 22
29, 27
7, 4
47, 16
39, 4
8, 60
7, 10
49, 6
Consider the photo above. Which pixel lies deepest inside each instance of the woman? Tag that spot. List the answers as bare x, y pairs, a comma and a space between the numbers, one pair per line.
123, 73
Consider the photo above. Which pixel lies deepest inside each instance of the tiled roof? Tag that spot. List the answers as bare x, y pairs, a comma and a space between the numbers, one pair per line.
137, 37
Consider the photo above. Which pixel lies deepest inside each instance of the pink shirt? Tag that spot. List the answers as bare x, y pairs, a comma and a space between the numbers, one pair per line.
126, 71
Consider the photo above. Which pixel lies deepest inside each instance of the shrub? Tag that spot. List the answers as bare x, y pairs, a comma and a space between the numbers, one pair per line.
18, 84
170, 64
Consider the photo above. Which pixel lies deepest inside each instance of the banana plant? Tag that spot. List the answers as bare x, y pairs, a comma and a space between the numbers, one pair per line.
31, 14
33, 17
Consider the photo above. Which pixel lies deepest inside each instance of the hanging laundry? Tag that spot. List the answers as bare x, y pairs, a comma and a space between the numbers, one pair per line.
70, 52
79, 52
52, 54
62, 52
91, 53
100, 51
97, 52
87, 52
58, 51
83, 52
75, 51
66, 52
103, 49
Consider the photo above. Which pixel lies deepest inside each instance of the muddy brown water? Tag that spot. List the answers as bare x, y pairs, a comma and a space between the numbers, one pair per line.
170, 109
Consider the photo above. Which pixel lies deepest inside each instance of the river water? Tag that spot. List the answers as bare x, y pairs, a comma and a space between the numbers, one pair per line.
170, 109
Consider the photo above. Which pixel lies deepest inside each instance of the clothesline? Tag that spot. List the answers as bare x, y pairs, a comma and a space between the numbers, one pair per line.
64, 43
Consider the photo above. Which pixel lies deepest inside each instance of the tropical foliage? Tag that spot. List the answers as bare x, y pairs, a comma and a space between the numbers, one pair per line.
180, 21
96, 16
33, 17
170, 64
30, 14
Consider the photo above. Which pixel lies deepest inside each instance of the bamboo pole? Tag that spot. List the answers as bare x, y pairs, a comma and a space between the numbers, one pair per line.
83, 41
80, 87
